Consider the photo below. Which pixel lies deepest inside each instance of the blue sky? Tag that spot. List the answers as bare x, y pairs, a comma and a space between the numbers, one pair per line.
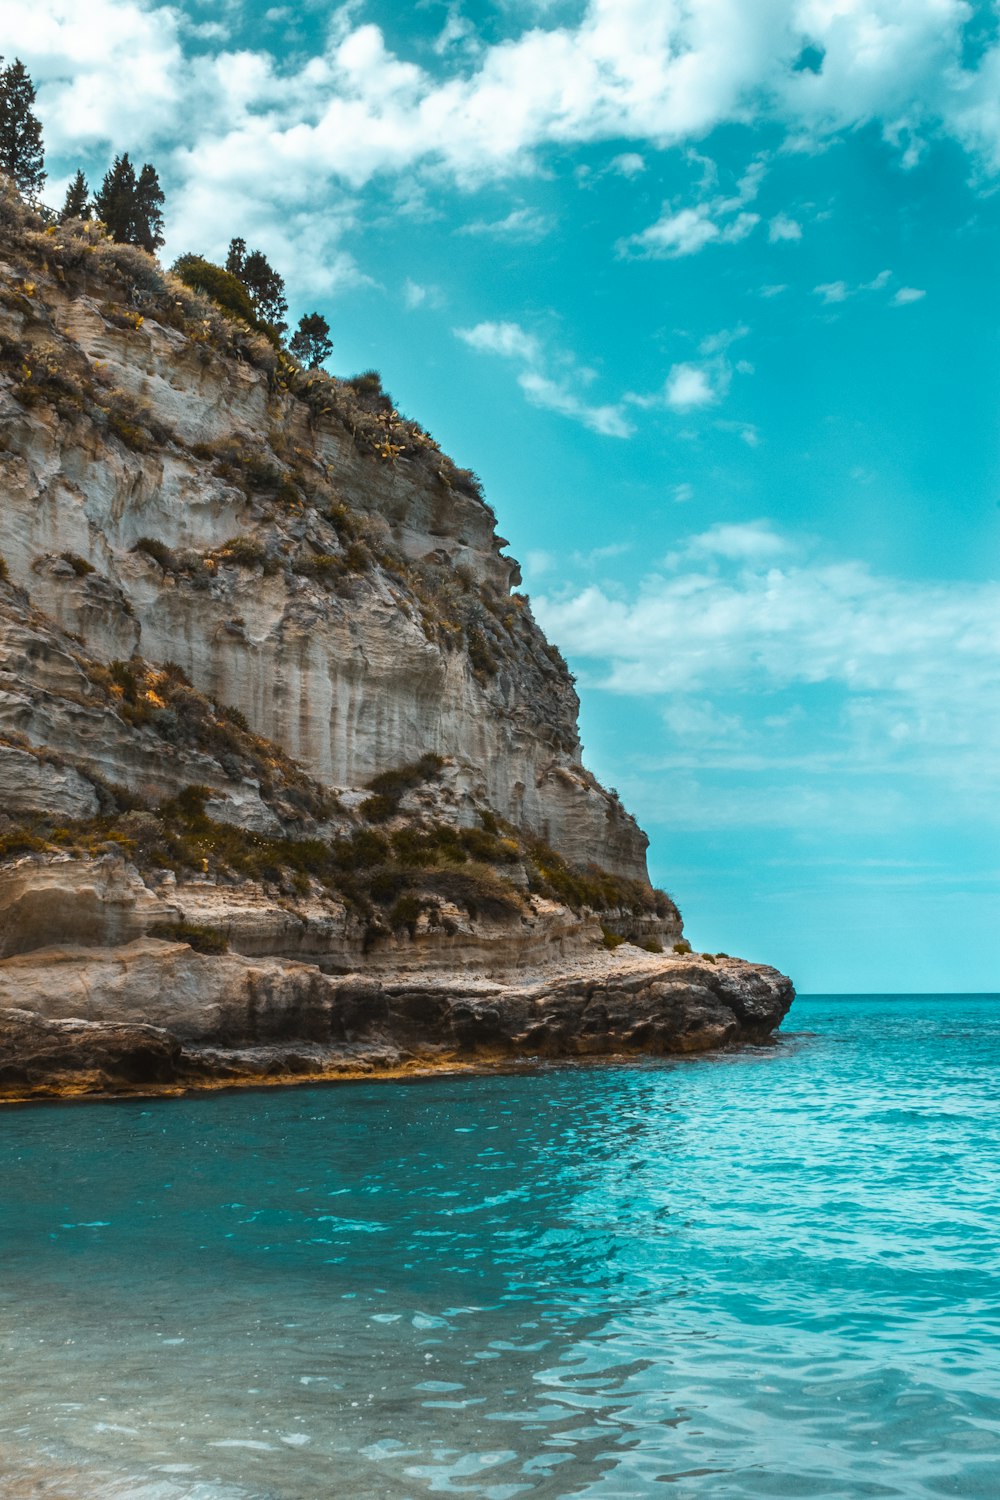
707, 294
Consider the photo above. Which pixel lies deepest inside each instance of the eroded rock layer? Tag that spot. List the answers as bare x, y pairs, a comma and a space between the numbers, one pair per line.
150, 1015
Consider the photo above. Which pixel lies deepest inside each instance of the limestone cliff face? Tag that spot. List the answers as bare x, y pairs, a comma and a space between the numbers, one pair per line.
364, 615
290, 780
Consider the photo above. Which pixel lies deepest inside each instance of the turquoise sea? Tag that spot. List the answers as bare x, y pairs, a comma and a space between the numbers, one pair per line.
767, 1273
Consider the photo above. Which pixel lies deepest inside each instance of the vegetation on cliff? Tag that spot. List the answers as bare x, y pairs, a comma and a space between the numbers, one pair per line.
391, 862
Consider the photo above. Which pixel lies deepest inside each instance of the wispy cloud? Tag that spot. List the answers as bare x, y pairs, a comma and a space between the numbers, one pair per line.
416, 295
745, 631
832, 292
906, 295
525, 224
716, 220
560, 392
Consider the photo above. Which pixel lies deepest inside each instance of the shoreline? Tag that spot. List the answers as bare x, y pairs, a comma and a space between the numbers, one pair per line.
421, 1070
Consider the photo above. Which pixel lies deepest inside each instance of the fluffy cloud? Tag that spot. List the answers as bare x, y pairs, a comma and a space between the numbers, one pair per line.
641, 71
688, 387
719, 219
507, 339
781, 227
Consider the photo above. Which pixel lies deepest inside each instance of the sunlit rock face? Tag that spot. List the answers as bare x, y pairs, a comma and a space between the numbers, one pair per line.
352, 677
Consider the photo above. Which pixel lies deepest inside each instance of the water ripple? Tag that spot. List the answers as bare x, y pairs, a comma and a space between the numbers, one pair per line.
765, 1274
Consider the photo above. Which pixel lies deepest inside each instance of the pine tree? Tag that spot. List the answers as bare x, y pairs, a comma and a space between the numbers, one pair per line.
236, 259
21, 155
77, 204
311, 342
115, 202
148, 218
132, 207
266, 287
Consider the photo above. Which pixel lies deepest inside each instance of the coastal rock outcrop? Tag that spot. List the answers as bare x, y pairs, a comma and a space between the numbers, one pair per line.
151, 1015
290, 780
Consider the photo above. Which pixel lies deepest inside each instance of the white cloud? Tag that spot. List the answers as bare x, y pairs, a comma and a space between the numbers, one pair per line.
416, 295
781, 227
635, 70
891, 674
689, 386
507, 339
744, 541
240, 139
682, 493
511, 341
628, 164
839, 291
607, 420
745, 431
907, 294
520, 224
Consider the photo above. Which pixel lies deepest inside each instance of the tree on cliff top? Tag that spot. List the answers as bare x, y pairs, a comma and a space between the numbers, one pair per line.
311, 343
21, 156
132, 207
77, 203
265, 286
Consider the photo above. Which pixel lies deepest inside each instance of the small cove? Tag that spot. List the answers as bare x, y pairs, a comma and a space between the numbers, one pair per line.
765, 1273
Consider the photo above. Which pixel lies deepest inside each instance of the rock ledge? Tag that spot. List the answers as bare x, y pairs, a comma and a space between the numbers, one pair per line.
154, 1016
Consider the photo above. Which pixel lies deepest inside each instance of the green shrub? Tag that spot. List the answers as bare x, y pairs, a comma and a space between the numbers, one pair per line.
323, 565
390, 787
225, 289
134, 424
368, 388
202, 938
20, 841
407, 912
236, 717
243, 552
158, 551
81, 567
683, 946
611, 940
650, 945
129, 265
4, 570
379, 808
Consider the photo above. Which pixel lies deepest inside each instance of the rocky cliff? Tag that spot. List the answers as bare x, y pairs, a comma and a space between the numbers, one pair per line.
273, 715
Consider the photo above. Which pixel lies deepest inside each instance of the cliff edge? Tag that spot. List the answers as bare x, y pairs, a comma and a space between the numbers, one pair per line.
290, 779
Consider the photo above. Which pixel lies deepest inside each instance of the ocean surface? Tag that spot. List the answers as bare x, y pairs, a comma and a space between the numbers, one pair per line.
767, 1273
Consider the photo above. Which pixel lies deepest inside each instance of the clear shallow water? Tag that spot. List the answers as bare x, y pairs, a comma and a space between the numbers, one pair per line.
772, 1273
